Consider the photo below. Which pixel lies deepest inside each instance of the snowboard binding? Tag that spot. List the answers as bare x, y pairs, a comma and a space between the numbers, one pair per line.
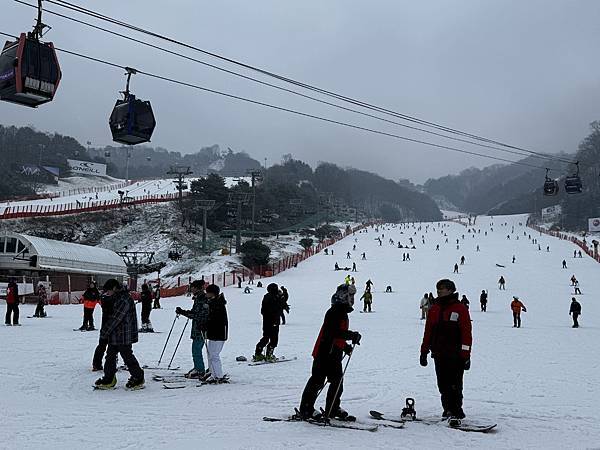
408, 412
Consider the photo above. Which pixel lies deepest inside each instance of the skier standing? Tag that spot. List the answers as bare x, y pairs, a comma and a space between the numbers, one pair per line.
575, 311
448, 336
465, 301
483, 299
157, 297
216, 332
120, 331
199, 316
455, 268
425, 305
328, 353
12, 304
42, 300
564, 264
271, 310
146, 300
502, 283
516, 306
285, 296
367, 298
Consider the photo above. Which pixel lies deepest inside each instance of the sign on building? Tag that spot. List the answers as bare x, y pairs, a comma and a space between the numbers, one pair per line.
86, 167
551, 212
594, 224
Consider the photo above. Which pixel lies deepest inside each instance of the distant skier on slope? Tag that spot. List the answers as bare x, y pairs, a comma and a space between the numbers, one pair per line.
327, 355
424, 305
575, 312
517, 306
448, 336
367, 298
502, 283
483, 300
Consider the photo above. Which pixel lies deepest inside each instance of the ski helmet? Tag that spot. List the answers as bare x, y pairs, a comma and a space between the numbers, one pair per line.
344, 295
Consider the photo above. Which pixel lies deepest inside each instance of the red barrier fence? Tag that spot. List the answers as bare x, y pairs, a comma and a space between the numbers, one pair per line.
231, 278
583, 245
19, 212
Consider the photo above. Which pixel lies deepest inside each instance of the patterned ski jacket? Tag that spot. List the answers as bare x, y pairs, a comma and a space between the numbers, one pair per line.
120, 327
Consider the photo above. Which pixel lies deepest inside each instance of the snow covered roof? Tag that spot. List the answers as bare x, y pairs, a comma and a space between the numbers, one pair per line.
68, 257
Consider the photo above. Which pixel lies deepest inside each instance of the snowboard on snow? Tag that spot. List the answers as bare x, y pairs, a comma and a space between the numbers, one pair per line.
467, 425
279, 359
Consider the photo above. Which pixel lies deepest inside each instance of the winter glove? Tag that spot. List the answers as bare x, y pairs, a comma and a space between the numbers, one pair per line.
467, 364
524, 309
356, 338
348, 349
178, 311
423, 359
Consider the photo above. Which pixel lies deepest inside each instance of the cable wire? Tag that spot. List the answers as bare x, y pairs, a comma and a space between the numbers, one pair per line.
284, 109
89, 12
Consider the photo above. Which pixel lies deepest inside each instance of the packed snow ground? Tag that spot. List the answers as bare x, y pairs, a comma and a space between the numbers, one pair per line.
539, 382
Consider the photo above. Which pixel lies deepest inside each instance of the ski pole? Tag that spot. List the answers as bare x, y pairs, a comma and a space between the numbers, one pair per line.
339, 384
207, 354
168, 337
178, 342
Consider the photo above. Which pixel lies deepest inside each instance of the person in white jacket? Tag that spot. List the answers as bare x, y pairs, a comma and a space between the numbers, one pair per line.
424, 306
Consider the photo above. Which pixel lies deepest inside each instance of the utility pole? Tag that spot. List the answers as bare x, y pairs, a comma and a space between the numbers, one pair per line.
205, 206
240, 198
256, 177
180, 172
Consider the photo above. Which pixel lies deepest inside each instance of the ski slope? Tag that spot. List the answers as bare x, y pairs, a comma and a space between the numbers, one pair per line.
539, 382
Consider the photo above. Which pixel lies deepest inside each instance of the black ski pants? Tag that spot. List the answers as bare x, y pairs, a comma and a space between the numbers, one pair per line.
484, 306
12, 309
517, 319
575, 321
323, 369
99, 353
449, 373
367, 307
270, 336
88, 318
156, 303
146, 309
39, 309
126, 352
282, 318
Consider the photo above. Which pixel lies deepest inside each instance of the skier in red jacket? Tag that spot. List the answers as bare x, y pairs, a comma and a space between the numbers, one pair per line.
448, 336
12, 304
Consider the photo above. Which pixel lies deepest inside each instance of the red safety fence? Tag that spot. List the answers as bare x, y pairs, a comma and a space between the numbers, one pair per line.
19, 212
583, 245
244, 274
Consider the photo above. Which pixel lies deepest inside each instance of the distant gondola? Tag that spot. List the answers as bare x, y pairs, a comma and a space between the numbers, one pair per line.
29, 71
573, 184
132, 120
550, 185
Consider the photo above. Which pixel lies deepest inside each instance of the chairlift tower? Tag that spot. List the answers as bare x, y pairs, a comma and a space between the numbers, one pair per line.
241, 198
257, 176
180, 172
205, 206
140, 263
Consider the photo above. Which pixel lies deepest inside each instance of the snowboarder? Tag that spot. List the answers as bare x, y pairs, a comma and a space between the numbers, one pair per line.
199, 316
91, 297
157, 297
271, 310
12, 304
353, 267
216, 333
465, 301
483, 299
364, 255
42, 300
502, 283
516, 306
575, 311
347, 279
247, 290
564, 264
283, 292
368, 284
579, 254
577, 290
573, 280
425, 305
328, 352
259, 284
448, 337
462, 260
408, 256
120, 330
455, 268
437, 247
367, 298
146, 300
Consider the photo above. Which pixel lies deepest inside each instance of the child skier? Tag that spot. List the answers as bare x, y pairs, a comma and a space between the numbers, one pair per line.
425, 305
146, 300
42, 300
91, 297
328, 353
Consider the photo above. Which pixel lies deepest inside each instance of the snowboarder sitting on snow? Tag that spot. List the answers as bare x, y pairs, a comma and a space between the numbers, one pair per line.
516, 306
483, 299
575, 311
448, 336
91, 297
336, 266
328, 353
247, 290
120, 330
259, 284
199, 316
367, 298
271, 310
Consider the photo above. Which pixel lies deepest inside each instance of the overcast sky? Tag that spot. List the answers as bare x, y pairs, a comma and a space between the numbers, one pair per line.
524, 72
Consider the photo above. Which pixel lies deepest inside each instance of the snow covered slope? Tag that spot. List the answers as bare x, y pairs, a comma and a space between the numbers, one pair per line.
539, 382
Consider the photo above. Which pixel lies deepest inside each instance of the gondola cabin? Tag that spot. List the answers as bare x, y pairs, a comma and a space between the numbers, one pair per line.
573, 185
132, 121
29, 72
550, 187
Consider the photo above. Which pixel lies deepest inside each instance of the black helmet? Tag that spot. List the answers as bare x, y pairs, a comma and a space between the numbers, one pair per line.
273, 288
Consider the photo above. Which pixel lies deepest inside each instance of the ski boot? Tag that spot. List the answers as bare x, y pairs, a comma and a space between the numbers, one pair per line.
195, 374
258, 355
149, 328
308, 415
270, 357
104, 384
135, 384
454, 422
341, 414
408, 412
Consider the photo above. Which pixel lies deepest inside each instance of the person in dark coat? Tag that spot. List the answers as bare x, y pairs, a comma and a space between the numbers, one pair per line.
285, 296
575, 311
12, 304
483, 299
106, 304
271, 310
465, 301
156, 298
328, 353
90, 297
42, 300
448, 337
146, 300
199, 316
120, 331
217, 327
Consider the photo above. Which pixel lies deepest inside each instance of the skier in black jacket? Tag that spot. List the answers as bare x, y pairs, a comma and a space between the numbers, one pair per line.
146, 300
285, 296
327, 355
575, 311
271, 310
483, 299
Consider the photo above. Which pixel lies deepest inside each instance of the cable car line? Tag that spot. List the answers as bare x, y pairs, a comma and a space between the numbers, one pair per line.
291, 111
383, 119
366, 105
